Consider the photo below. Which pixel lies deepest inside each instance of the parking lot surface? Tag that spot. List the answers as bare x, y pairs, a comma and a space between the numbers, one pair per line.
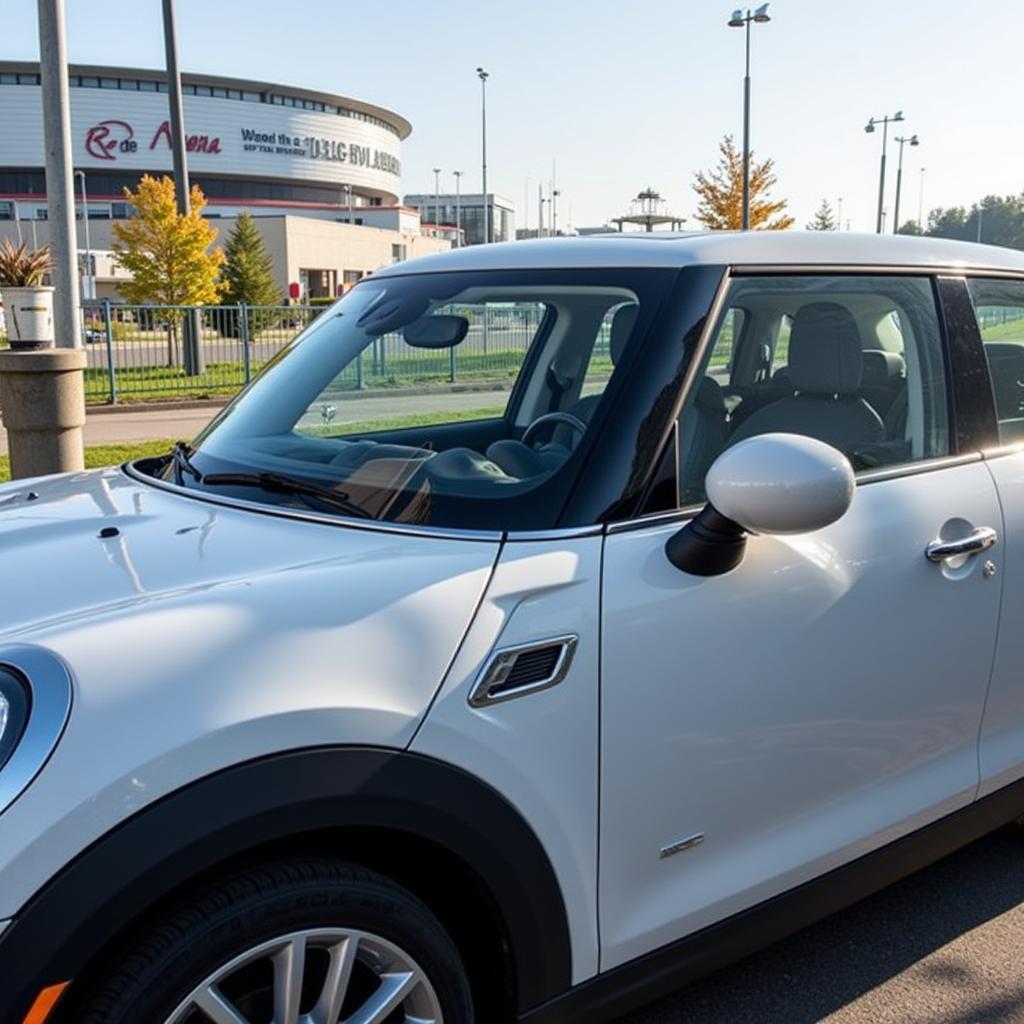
945, 946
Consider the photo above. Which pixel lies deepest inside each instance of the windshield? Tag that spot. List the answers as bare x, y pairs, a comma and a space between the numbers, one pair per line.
460, 400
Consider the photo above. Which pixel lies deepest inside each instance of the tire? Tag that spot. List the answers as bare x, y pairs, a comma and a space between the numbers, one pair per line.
247, 939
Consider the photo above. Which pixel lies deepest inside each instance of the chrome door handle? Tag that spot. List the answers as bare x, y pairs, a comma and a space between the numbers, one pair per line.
981, 540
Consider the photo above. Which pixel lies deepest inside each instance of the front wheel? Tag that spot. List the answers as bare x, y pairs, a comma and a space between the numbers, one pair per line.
295, 942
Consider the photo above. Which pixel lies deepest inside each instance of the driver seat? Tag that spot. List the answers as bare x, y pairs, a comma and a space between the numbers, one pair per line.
520, 460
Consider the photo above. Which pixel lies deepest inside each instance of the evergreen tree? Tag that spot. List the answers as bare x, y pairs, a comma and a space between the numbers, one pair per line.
823, 218
248, 273
721, 193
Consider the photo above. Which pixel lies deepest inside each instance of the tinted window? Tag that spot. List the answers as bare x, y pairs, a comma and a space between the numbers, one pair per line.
856, 362
999, 306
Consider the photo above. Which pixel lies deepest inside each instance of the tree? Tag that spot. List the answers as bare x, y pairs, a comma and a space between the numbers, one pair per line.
721, 193
248, 268
823, 218
167, 253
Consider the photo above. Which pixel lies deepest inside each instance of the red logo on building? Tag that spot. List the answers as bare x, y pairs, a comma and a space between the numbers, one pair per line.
106, 139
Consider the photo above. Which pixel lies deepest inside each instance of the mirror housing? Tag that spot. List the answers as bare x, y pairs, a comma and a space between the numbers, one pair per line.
771, 483
439, 331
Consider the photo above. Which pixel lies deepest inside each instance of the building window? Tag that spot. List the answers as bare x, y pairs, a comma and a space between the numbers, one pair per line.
6, 211
146, 85
397, 252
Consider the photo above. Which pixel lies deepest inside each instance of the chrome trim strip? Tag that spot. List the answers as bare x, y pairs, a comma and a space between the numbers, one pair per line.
562, 533
681, 515
502, 661
376, 526
680, 845
49, 681
1000, 450
869, 269
871, 476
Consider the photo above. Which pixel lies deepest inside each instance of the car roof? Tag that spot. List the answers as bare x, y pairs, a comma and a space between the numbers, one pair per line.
719, 248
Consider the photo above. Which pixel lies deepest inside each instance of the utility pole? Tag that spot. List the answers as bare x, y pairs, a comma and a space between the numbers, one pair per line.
90, 277
60, 191
458, 209
193, 321
483, 76
437, 201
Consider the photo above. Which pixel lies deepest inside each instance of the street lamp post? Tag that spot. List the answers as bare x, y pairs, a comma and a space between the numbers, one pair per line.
839, 215
869, 128
483, 76
90, 278
741, 20
902, 140
555, 193
920, 201
458, 209
437, 201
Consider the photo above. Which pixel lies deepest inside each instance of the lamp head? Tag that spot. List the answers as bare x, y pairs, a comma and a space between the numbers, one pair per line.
483, 74
870, 126
914, 141
898, 116
737, 20
761, 14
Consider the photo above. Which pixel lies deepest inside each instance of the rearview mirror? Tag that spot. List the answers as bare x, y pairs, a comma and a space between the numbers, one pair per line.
441, 331
772, 483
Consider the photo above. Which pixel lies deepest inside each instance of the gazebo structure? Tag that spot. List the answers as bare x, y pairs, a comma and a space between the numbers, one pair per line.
648, 210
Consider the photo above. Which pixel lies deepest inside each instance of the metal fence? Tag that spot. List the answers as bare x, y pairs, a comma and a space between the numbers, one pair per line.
140, 352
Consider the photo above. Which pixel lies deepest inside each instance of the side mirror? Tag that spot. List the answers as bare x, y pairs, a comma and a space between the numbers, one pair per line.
772, 483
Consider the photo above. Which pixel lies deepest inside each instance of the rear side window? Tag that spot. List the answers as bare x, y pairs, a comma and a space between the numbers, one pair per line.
854, 361
999, 307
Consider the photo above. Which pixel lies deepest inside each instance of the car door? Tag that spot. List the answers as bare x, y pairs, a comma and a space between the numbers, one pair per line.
999, 311
761, 727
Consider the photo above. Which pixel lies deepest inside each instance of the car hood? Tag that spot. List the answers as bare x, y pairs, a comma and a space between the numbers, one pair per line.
82, 544
202, 635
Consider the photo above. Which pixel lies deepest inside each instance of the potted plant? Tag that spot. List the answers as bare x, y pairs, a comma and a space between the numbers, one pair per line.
28, 303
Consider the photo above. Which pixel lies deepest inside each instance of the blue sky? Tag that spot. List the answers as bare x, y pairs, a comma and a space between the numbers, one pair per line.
621, 96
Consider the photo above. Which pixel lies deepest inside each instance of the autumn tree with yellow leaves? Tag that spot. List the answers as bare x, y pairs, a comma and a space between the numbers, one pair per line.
167, 253
721, 194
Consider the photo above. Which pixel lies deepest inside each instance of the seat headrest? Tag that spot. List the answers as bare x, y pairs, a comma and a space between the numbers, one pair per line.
881, 368
622, 327
824, 350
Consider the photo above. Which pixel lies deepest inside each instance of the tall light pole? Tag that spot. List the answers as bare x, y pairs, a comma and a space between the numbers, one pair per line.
920, 201
555, 193
437, 199
741, 20
483, 76
60, 189
869, 128
839, 215
458, 209
90, 277
193, 322
902, 140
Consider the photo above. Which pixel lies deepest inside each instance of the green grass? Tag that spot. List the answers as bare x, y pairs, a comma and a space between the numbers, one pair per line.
1012, 330
421, 419
107, 454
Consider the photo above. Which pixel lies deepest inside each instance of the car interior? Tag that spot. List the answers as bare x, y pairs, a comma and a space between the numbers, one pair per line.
843, 368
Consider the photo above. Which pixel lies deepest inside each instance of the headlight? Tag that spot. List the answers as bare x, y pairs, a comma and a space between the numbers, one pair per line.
35, 701
14, 709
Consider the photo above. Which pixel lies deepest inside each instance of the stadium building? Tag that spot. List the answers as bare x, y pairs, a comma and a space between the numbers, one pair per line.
321, 173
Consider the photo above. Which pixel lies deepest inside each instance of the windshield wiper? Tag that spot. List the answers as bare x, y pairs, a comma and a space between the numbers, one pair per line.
278, 483
181, 457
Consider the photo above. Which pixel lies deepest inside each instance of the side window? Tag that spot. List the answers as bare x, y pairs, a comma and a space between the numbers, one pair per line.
856, 362
999, 306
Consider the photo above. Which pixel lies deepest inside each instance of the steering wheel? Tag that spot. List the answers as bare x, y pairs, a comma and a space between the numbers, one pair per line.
554, 417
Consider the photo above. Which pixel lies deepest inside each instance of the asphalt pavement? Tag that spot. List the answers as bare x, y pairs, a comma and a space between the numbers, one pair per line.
945, 946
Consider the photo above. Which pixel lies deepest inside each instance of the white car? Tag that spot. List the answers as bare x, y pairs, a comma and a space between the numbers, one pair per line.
526, 703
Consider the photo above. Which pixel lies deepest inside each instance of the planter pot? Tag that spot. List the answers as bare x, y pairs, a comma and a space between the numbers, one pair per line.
28, 313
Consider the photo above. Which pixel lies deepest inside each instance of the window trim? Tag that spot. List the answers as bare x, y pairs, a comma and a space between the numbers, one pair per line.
955, 457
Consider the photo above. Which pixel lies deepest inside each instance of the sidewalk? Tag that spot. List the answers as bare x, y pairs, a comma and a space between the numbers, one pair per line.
148, 424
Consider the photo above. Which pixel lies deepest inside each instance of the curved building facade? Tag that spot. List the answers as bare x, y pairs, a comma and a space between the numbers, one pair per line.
249, 143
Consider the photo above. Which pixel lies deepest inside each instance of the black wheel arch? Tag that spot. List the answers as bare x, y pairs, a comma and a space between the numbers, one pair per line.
263, 804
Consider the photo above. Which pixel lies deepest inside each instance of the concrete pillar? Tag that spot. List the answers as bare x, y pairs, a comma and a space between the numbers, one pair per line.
42, 401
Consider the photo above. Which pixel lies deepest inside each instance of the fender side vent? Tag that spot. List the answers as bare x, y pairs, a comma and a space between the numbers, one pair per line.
526, 668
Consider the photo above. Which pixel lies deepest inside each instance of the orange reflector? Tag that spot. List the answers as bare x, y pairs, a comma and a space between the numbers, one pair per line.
45, 1002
